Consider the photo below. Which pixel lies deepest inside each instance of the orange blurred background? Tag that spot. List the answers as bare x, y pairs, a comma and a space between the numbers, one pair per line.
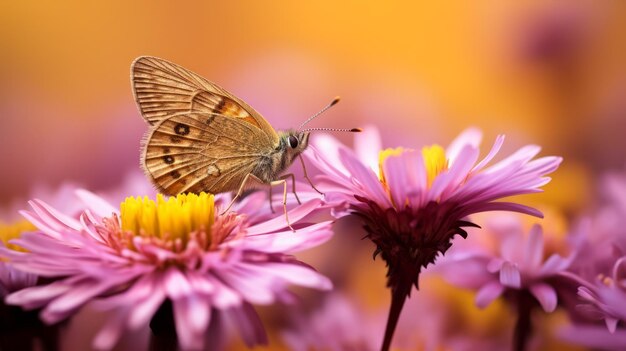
550, 73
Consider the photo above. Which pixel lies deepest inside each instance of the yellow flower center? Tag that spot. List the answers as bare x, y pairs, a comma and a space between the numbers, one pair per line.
13, 230
174, 218
435, 162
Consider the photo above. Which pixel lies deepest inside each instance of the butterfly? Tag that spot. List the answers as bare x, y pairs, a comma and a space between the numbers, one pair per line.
203, 138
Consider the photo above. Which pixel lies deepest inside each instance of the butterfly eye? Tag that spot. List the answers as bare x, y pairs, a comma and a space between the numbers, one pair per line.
293, 141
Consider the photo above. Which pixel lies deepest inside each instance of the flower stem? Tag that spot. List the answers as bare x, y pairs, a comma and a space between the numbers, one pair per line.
523, 326
399, 295
163, 337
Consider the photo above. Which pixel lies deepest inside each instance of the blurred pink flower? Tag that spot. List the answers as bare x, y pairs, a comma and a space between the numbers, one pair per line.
338, 323
510, 260
606, 297
210, 267
413, 202
602, 261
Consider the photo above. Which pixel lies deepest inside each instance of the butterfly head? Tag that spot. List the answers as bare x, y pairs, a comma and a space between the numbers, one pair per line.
294, 142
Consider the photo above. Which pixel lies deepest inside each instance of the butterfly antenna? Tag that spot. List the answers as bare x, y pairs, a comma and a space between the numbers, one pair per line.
350, 130
332, 103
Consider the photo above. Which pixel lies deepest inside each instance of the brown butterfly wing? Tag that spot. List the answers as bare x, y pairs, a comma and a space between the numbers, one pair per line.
163, 89
194, 152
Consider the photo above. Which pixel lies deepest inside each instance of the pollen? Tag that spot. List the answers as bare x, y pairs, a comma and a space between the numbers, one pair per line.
435, 162
13, 230
172, 218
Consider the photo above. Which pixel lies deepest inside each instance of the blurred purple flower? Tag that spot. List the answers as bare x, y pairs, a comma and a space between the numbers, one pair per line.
336, 324
606, 297
602, 267
603, 248
506, 261
511, 260
414, 202
177, 253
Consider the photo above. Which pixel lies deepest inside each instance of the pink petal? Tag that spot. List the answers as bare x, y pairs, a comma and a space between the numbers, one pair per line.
111, 332
37, 296
58, 220
294, 274
326, 154
287, 241
250, 326
546, 295
144, 306
555, 264
470, 136
367, 145
279, 222
192, 316
533, 252
521, 156
80, 293
366, 179
488, 293
510, 275
42, 225
492, 153
98, 205
253, 288
224, 297
611, 324
200, 284
457, 173
406, 177
176, 284
501, 206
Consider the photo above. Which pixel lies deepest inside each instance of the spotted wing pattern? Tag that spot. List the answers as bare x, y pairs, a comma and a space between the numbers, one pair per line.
163, 89
193, 152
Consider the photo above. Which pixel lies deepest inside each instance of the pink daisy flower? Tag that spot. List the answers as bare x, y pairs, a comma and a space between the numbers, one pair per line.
174, 257
517, 264
602, 266
508, 259
413, 202
605, 298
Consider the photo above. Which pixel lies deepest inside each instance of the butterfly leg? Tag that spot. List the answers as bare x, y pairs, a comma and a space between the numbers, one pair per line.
270, 199
293, 185
306, 176
284, 183
245, 180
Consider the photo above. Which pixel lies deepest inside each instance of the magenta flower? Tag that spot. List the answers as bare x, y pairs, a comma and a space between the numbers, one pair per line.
413, 202
507, 261
506, 258
602, 259
606, 297
174, 257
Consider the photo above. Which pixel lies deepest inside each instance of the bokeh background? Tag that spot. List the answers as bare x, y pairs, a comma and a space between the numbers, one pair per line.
550, 73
